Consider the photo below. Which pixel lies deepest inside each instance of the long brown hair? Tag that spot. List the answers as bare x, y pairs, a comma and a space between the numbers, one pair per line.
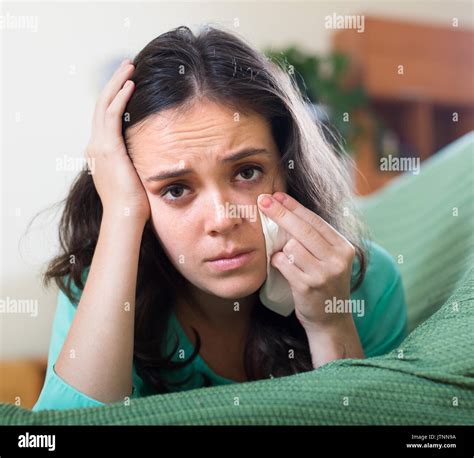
171, 71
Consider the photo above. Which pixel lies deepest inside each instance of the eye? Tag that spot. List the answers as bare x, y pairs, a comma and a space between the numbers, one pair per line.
252, 168
179, 187
171, 189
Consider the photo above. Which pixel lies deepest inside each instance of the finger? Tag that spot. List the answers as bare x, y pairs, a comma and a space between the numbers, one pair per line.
125, 62
302, 258
116, 82
110, 91
118, 69
290, 271
113, 114
297, 227
331, 235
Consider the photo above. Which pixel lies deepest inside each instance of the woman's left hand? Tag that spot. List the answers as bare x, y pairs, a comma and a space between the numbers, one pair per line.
316, 261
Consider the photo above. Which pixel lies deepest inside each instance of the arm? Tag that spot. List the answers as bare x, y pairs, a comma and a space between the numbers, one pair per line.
56, 393
97, 355
382, 326
327, 344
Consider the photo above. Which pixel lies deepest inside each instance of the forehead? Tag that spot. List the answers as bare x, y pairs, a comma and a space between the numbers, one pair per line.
205, 128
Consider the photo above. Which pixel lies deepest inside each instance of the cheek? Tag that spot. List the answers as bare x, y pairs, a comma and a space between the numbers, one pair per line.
175, 241
259, 229
280, 182
274, 181
172, 235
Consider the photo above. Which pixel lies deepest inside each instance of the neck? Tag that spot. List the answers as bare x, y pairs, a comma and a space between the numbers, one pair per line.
215, 312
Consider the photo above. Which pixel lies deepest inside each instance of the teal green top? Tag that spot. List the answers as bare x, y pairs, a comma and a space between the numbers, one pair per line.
381, 328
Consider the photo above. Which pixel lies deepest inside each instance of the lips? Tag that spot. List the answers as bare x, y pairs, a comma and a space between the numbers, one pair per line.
228, 255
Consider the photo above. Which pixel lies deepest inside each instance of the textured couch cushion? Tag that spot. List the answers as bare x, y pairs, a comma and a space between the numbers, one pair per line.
428, 219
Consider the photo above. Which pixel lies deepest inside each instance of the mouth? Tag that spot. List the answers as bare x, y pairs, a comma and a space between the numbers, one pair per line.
231, 261
229, 254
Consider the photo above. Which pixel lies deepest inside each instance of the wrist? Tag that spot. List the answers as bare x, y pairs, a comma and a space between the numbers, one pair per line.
125, 216
343, 323
336, 341
326, 349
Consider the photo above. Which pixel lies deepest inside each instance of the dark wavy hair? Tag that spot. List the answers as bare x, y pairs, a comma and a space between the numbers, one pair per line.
221, 67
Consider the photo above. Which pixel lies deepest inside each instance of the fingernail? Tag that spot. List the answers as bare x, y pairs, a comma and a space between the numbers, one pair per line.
265, 200
124, 62
280, 197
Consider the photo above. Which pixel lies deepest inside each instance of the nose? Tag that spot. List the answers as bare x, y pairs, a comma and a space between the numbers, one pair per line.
222, 216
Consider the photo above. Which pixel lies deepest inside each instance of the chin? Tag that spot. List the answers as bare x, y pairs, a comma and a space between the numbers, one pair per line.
234, 288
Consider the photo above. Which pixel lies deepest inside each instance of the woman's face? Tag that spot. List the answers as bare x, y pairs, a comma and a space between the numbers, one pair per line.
212, 207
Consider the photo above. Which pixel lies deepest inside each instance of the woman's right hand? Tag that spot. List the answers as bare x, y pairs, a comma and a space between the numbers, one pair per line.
115, 178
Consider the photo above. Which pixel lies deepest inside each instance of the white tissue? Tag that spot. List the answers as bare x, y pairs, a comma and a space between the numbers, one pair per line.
275, 293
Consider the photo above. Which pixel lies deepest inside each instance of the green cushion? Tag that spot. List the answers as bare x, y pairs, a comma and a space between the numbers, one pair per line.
413, 216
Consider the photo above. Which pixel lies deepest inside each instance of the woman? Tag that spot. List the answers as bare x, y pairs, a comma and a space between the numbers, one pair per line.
195, 125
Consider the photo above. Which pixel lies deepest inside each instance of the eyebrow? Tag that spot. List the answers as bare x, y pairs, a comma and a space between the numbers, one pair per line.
231, 158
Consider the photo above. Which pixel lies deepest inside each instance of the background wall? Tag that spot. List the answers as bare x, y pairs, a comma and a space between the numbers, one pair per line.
51, 77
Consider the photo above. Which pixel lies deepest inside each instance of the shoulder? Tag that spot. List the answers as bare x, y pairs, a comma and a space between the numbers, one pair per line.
66, 308
382, 322
64, 316
381, 269
75, 289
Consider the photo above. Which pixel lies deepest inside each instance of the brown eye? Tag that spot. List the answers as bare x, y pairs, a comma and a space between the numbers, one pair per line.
173, 190
249, 172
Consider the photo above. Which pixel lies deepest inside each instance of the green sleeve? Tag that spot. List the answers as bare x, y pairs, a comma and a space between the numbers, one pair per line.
57, 393
383, 326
